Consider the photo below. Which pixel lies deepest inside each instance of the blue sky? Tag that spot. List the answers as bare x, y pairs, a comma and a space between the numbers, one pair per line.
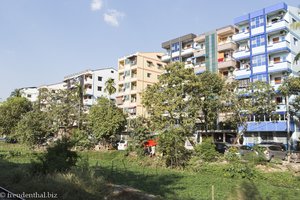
42, 41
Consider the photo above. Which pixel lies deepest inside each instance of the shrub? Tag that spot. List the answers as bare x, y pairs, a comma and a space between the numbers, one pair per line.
58, 158
206, 150
232, 154
239, 170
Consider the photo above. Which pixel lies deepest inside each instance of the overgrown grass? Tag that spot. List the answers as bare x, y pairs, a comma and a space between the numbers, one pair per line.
145, 174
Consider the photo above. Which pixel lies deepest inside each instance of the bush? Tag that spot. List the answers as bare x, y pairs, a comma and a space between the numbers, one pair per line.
206, 150
58, 158
232, 154
239, 170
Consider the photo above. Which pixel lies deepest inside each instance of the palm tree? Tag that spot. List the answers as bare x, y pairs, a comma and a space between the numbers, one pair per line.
110, 87
16, 93
296, 25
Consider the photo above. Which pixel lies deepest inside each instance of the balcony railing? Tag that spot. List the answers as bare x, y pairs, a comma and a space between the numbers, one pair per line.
274, 26
240, 36
278, 45
227, 45
225, 63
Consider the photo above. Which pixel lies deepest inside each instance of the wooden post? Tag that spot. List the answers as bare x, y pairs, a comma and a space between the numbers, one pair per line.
212, 192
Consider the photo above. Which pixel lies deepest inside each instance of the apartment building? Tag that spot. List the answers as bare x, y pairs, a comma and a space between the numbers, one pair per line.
135, 73
92, 82
266, 49
210, 51
30, 93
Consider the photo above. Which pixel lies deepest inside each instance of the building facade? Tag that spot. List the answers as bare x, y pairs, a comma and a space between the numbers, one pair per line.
266, 49
92, 83
210, 51
135, 73
30, 93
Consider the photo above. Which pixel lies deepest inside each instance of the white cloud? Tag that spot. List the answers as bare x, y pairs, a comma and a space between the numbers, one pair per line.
96, 5
113, 17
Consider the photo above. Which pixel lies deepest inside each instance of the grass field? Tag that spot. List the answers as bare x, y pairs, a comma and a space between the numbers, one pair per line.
144, 174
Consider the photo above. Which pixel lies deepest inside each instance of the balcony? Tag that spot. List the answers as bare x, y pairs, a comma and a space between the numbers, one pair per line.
88, 91
226, 46
88, 81
242, 73
240, 36
166, 58
241, 54
187, 51
199, 53
225, 63
279, 25
279, 46
279, 66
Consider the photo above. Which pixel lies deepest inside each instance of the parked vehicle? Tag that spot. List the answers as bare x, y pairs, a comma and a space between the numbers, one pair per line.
272, 151
241, 149
275, 143
221, 146
122, 145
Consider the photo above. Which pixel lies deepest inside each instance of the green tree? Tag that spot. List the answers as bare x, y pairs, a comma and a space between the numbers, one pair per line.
33, 128
110, 86
62, 107
16, 93
169, 102
106, 120
140, 133
173, 108
291, 87
256, 100
296, 26
208, 96
11, 112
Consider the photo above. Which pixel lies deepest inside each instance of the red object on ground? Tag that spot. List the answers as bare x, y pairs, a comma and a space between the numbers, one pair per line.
150, 143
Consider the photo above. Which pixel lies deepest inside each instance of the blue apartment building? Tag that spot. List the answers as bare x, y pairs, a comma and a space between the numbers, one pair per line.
267, 46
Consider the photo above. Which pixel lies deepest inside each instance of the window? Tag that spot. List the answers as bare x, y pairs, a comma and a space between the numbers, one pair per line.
258, 41
276, 60
278, 100
275, 39
261, 77
149, 64
295, 41
175, 47
293, 20
112, 71
99, 78
148, 75
127, 73
158, 76
29, 95
159, 66
258, 60
244, 83
99, 88
277, 80
257, 21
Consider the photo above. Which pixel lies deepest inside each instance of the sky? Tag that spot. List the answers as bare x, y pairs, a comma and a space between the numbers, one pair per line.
41, 41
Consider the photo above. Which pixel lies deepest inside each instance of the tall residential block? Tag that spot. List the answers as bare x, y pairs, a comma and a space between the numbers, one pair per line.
135, 73
267, 46
92, 83
210, 51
